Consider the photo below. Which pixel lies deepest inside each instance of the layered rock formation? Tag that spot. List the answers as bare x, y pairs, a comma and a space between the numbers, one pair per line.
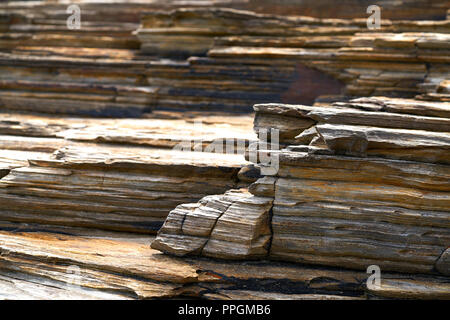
359, 183
99, 175
91, 71
74, 86
251, 58
403, 9
403, 58
46, 67
49, 266
345, 185
128, 10
231, 226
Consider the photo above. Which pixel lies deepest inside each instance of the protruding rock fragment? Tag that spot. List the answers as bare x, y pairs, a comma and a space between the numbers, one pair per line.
235, 225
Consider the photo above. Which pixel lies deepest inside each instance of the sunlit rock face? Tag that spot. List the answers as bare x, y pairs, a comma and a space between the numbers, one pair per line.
348, 9
310, 84
116, 174
224, 149
346, 179
229, 59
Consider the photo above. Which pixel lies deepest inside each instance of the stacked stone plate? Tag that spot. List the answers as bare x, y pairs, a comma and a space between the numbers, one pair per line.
357, 184
366, 184
72, 174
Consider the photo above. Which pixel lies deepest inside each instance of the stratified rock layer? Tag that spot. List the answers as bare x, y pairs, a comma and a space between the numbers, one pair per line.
297, 59
92, 71
357, 184
360, 182
48, 266
229, 59
208, 227
118, 175
366, 184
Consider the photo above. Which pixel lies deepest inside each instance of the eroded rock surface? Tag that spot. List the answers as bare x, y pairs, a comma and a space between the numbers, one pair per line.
286, 55
36, 266
357, 182
352, 196
230, 226
230, 59
118, 175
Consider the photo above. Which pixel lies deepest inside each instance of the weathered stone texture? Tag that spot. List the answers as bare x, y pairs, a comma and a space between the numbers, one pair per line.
359, 183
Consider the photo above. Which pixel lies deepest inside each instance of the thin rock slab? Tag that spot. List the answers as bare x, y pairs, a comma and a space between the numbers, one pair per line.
215, 227
34, 265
